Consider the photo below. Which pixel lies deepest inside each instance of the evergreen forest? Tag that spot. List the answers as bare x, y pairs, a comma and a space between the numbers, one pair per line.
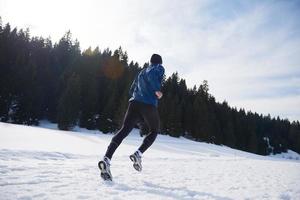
89, 88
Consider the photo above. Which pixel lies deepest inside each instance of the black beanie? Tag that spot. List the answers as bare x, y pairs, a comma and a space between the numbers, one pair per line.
156, 59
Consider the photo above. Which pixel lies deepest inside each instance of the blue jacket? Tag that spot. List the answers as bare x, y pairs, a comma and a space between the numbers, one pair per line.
146, 83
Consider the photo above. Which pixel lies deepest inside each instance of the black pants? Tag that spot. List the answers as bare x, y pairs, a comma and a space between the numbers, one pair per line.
136, 111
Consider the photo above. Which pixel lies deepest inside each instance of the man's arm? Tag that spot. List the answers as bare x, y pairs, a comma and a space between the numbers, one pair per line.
156, 79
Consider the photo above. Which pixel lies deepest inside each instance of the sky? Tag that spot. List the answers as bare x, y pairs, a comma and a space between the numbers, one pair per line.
248, 51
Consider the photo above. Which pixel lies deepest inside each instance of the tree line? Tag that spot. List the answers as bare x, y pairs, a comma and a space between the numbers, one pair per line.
61, 83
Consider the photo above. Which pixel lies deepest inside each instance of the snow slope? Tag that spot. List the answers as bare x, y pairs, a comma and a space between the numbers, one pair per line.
39, 163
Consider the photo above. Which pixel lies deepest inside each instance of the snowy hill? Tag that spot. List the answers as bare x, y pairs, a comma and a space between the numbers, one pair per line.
40, 163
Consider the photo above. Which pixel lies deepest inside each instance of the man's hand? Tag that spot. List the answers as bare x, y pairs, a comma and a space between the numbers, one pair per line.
159, 94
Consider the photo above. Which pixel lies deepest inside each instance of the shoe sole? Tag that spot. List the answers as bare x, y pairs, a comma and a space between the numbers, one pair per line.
136, 166
104, 174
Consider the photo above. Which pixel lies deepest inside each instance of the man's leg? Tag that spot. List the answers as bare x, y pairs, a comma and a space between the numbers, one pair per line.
130, 119
151, 117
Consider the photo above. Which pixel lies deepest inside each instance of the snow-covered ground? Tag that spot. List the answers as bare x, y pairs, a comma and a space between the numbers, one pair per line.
40, 163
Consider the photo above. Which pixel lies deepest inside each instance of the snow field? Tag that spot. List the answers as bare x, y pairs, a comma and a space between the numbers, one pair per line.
39, 163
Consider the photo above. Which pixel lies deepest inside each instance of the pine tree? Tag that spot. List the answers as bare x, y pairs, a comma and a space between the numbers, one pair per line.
87, 70
69, 104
